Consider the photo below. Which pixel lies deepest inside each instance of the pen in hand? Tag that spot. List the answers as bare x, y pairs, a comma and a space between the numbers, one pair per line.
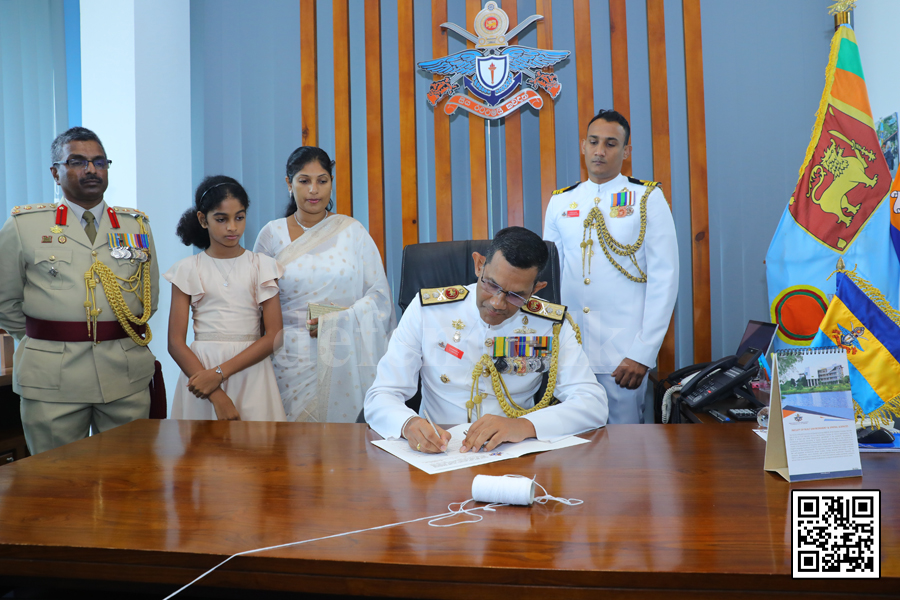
430, 422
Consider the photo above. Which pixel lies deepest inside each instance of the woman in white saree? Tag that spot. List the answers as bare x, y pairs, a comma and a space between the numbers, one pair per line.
326, 365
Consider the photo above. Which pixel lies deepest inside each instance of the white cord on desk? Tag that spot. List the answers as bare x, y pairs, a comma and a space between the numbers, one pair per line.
432, 519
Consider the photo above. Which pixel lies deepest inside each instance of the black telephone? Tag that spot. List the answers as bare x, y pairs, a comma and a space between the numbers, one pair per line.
716, 380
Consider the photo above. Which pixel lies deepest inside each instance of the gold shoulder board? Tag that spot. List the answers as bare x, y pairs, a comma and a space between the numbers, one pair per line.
541, 308
564, 190
442, 295
31, 208
130, 211
637, 181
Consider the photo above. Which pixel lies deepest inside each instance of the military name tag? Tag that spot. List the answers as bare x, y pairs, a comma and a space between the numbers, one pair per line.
453, 350
572, 213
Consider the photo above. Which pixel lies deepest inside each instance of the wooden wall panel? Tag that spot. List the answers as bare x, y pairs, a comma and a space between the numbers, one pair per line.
443, 181
618, 34
408, 102
659, 125
477, 156
309, 75
547, 113
343, 162
696, 118
374, 128
515, 207
584, 71
409, 174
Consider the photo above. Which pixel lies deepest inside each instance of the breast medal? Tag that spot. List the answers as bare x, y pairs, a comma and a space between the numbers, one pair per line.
622, 204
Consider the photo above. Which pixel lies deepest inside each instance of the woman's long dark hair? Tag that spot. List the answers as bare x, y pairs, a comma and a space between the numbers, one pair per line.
211, 192
298, 159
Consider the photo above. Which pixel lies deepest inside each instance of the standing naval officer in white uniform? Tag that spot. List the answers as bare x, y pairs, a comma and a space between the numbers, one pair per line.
617, 246
481, 351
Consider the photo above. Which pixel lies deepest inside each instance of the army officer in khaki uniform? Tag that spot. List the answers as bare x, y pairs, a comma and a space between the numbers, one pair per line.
78, 283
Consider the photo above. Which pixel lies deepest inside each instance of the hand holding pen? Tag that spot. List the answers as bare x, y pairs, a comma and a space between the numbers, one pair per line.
423, 435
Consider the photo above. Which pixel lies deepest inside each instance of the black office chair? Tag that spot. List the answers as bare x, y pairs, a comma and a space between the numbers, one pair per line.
438, 264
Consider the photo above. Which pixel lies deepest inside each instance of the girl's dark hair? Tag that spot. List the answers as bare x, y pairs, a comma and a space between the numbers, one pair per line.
298, 159
209, 195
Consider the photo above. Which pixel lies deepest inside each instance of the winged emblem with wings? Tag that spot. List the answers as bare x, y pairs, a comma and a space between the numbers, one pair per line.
493, 70
849, 338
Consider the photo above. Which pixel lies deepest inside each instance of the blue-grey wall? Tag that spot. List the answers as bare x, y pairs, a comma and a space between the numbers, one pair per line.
764, 73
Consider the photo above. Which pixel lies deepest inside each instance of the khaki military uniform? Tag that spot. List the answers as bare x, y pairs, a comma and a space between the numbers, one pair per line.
66, 386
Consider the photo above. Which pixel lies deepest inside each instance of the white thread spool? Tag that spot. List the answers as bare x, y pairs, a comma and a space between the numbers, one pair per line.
504, 490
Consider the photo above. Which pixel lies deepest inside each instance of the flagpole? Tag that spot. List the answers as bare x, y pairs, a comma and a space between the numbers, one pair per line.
841, 18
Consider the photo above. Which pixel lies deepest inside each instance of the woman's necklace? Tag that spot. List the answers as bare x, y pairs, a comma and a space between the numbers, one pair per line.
304, 227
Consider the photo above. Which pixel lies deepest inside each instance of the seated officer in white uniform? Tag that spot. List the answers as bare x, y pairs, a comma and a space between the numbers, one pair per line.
481, 351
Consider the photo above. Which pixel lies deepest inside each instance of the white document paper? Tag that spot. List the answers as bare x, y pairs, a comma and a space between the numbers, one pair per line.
453, 459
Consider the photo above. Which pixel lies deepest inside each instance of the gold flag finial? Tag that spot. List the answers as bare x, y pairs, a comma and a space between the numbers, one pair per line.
841, 6
841, 12
840, 264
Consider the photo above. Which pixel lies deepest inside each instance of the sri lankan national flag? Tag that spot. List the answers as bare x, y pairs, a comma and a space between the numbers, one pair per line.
838, 208
860, 321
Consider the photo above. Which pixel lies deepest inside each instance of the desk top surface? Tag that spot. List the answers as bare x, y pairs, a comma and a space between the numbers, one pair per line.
176, 497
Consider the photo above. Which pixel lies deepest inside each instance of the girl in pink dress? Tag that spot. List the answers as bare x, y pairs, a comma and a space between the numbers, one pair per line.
227, 371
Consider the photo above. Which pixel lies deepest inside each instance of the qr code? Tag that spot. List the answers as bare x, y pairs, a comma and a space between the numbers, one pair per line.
836, 534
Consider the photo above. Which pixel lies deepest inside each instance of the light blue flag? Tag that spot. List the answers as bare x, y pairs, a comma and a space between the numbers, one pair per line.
839, 209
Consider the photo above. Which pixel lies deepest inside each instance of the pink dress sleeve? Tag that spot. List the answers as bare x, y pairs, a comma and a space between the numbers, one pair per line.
268, 273
185, 276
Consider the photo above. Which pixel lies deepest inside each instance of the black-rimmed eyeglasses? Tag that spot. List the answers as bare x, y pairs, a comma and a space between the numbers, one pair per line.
493, 289
101, 164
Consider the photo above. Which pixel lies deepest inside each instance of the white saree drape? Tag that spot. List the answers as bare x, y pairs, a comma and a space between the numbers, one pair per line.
335, 262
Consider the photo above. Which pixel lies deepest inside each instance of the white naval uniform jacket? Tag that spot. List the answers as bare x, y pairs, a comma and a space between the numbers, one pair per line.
414, 348
619, 318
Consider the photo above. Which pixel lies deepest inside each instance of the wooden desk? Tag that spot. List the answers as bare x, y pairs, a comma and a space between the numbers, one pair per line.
673, 512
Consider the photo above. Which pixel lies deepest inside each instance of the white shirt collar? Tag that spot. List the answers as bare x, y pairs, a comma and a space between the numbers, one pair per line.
616, 182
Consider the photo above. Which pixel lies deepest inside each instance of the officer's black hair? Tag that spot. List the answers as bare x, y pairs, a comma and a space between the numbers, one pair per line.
522, 248
612, 116
211, 192
298, 159
74, 134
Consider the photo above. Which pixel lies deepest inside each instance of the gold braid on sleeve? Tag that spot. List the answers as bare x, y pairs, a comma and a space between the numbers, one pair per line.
608, 243
575, 327
113, 286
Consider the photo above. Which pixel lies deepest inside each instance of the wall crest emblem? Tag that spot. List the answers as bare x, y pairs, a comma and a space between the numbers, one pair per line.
491, 73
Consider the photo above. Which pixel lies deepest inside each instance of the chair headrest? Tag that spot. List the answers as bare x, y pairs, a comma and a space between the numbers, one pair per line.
437, 264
